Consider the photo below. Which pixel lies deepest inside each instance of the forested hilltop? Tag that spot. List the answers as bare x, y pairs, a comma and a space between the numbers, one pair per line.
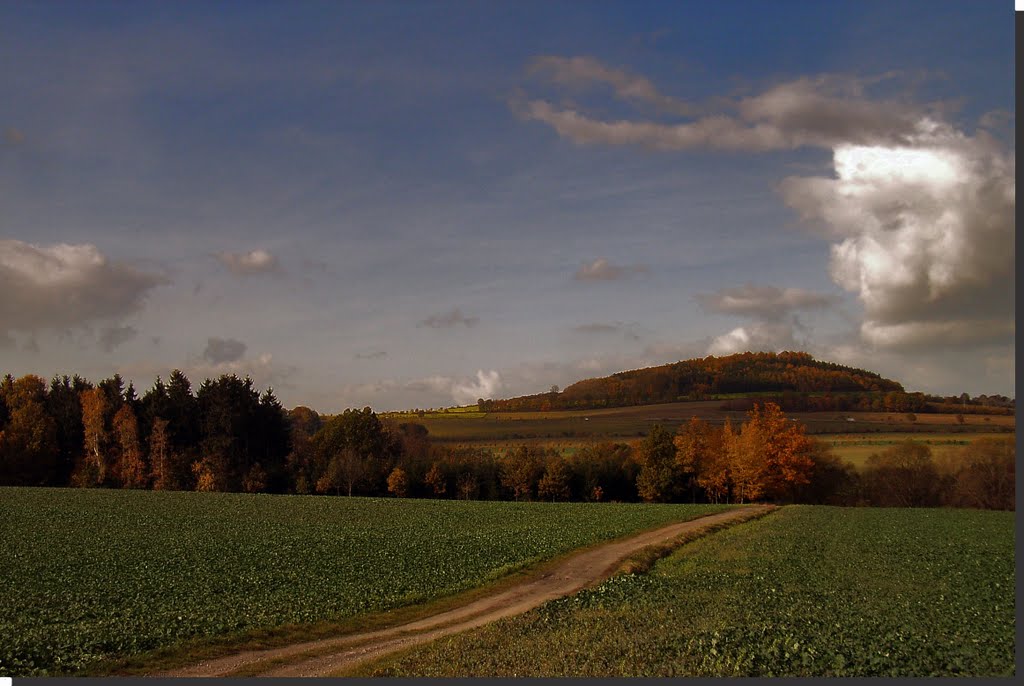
705, 378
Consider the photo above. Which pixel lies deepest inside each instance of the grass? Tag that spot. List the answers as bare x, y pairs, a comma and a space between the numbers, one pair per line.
806, 591
95, 576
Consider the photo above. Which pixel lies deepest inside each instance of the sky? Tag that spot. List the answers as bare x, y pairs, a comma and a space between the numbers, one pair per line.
417, 204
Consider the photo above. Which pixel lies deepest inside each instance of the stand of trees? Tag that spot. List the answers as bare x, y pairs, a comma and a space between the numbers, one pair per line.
700, 379
227, 436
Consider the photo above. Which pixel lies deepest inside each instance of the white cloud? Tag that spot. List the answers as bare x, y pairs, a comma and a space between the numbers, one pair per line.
249, 263
602, 270
762, 302
485, 386
925, 237
756, 337
585, 71
820, 111
775, 326
62, 286
435, 390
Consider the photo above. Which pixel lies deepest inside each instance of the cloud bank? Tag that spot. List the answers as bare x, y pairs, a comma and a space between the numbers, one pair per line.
925, 237
776, 325
762, 302
822, 111
63, 286
920, 214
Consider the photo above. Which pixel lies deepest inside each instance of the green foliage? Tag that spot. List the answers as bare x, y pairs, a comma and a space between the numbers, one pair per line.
90, 574
806, 591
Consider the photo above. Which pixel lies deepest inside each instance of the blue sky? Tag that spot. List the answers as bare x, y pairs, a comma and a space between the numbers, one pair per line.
415, 204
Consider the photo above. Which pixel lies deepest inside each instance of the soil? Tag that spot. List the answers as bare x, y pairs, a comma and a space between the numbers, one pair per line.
330, 656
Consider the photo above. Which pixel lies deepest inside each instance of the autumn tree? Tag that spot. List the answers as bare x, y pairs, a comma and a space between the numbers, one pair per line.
207, 477
554, 484
467, 486
521, 470
97, 463
698, 445
398, 483
436, 480
255, 480
159, 448
658, 479
715, 475
131, 466
770, 456
28, 446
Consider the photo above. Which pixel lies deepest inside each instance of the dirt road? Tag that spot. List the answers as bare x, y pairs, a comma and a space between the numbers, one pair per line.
329, 656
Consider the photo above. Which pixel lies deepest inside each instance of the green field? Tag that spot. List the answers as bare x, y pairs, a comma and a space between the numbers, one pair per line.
806, 591
95, 574
857, 448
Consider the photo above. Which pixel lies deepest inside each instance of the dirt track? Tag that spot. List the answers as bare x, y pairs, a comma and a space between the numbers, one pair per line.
329, 656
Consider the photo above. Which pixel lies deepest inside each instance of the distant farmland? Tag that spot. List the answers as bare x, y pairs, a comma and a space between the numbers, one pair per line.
623, 423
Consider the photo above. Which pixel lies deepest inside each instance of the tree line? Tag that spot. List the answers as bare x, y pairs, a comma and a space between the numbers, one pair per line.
703, 378
226, 436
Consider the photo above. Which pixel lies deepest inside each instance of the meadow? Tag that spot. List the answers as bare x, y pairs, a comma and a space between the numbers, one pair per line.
90, 574
805, 591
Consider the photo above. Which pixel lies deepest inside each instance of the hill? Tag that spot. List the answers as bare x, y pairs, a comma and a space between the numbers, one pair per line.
706, 378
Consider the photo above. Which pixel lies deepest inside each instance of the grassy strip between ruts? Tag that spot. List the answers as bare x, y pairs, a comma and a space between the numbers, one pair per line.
101, 576
808, 591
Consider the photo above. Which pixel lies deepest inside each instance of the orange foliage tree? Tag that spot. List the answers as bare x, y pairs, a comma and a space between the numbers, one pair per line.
132, 466
772, 455
715, 470
97, 461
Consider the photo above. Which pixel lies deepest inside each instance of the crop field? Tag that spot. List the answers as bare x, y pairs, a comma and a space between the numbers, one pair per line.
95, 574
806, 591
